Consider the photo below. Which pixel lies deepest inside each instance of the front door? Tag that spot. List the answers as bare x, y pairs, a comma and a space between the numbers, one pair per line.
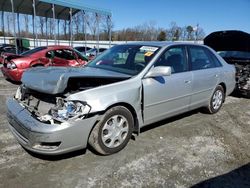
64, 57
168, 95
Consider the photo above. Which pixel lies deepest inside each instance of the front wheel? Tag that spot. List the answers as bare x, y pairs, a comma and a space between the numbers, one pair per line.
216, 100
112, 133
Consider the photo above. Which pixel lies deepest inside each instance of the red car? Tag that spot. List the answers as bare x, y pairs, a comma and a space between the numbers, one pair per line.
14, 65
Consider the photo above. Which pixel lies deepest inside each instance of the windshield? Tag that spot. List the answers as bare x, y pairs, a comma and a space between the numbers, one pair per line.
234, 54
92, 50
127, 59
30, 52
81, 56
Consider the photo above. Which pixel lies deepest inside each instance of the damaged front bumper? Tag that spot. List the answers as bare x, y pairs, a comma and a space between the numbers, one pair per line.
44, 138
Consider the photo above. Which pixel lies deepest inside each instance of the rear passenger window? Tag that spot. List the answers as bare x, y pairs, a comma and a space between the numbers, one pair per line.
215, 59
200, 58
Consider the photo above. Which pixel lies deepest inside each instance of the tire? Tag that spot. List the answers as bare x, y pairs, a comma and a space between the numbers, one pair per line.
248, 95
112, 133
216, 100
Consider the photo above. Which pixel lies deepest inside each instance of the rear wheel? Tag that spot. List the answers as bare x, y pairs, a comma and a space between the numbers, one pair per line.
112, 133
248, 95
216, 100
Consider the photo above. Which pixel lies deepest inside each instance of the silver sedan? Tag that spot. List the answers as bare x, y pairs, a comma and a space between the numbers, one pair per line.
58, 109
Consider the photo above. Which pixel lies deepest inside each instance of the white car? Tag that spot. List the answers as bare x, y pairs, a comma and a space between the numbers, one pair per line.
58, 109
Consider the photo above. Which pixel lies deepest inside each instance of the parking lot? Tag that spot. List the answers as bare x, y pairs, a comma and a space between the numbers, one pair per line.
194, 149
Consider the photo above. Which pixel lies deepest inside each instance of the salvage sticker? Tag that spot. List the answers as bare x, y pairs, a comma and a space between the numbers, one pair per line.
148, 53
148, 48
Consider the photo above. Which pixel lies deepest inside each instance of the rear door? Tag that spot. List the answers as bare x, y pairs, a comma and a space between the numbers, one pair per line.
205, 75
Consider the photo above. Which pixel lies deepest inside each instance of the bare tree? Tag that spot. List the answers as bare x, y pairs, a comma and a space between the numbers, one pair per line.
9, 21
64, 27
51, 26
77, 23
190, 32
174, 31
149, 31
92, 21
183, 34
26, 24
198, 32
42, 24
107, 26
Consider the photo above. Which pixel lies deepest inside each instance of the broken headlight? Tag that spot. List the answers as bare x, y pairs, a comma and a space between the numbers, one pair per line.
66, 110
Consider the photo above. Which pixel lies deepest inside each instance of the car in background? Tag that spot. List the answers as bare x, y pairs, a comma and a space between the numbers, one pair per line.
10, 49
14, 65
129, 86
82, 49
92, 53
234, 47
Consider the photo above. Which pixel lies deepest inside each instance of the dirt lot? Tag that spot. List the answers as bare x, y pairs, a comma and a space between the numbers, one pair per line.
191, 150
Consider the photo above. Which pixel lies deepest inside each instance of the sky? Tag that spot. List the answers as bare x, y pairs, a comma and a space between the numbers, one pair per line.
211, 15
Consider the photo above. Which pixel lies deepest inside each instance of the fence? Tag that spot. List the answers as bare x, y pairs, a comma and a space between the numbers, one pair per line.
91, 44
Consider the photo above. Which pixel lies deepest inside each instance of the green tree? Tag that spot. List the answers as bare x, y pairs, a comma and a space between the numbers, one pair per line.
161, 36
190, 32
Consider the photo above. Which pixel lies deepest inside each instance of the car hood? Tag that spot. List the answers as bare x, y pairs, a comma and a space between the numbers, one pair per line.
230, 40
54, 80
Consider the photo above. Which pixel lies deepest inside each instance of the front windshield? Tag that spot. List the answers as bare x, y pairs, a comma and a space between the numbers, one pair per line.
30, 52
127, 59
92, 50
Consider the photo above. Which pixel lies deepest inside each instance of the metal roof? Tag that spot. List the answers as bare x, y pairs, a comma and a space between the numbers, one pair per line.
44, 9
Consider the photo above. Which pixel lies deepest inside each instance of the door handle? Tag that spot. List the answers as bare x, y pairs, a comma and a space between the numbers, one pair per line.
187, 81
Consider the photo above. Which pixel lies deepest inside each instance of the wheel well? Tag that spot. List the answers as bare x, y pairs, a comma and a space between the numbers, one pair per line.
224, 87
133, 112
36, 65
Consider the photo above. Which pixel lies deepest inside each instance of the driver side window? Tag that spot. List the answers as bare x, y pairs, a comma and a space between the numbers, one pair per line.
174, 58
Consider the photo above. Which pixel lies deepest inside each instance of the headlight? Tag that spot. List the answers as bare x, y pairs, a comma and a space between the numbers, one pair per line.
65, 110
11, 65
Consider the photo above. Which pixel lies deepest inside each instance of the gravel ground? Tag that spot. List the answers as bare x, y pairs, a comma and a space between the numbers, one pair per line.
191, 150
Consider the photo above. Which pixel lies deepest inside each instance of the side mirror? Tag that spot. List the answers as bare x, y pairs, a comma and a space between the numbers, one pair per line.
159, 71
50, 55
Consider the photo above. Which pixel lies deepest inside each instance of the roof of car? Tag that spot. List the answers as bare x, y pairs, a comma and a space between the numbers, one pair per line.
59, 46
162, 43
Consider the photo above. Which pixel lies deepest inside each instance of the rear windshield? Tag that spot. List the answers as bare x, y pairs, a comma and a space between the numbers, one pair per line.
234, 54
30, 52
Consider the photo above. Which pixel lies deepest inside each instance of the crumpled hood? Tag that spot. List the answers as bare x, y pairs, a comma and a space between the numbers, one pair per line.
53, 80
11, 56
231, 40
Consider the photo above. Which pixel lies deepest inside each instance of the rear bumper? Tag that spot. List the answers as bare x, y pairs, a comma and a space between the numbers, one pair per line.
45, 138
12, 74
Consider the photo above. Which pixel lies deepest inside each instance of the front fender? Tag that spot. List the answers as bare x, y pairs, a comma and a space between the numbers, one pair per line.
101, 98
